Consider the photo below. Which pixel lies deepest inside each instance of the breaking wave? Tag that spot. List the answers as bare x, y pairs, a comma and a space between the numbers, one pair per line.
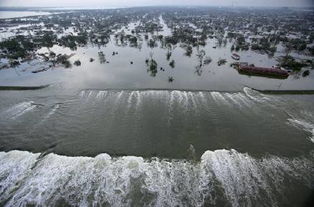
220, 178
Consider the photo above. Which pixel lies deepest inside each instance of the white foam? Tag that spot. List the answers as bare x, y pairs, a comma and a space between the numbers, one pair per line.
82, 94
126, 181
51, 112
202, 97
256, 96
303, 124
192, 98
244, 99
251, 94
218, 97
138, 99
101, 94
90, 94
234, 99
171, 105
244, 178
19, 109
120, 94
14, 167
186, 98
131, 96
179, 96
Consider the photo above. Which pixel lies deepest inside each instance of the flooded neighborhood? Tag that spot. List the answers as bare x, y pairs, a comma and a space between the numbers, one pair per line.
157, 106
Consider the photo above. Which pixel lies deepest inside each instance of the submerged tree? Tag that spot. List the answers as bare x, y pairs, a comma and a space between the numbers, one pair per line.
232, 48
170, 79
306, 73
172, 63
201, 54
77, 63
207, 60
221, 62
168, 55
152, 65
188, 50
102, 57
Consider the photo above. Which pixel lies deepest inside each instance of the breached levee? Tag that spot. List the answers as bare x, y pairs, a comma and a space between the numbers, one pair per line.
180, 97
221, 178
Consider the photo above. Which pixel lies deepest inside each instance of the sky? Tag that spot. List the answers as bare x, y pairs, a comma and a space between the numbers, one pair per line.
132, 3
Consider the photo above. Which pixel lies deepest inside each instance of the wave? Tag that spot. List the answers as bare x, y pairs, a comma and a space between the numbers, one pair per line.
51, 112
19, 109
304, 125
181, 98
222, 177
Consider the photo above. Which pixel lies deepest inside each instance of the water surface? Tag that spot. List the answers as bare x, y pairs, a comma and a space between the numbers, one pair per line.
17, 14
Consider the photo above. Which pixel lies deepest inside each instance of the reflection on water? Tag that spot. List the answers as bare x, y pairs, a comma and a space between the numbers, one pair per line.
123, 65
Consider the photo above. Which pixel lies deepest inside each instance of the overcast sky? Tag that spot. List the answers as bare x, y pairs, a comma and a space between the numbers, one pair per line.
131, 3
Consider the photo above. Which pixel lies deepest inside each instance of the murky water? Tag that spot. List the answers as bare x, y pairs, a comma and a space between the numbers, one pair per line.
118, 73
192, 148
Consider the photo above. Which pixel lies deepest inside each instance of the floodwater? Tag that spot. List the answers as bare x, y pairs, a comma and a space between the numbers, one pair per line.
17, 14
113, 135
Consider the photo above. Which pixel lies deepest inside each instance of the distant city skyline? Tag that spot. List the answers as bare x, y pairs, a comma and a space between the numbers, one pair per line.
133, 3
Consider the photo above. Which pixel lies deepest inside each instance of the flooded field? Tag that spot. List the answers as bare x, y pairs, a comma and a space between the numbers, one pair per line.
152, 124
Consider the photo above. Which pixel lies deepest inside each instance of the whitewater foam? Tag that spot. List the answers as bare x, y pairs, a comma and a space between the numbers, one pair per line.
219, 98
255, 96
14, 167
135, 181
185, 98
101, 94
303, 124
19, 109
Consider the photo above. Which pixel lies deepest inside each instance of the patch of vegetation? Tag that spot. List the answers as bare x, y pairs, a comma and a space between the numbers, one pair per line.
168, 55
72, 41
172, 63
306, 73
221, 62
152, 67
289, 62
16, 48
63, 59
188, 51
264, 45
170, 79
77, 63
207, 60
